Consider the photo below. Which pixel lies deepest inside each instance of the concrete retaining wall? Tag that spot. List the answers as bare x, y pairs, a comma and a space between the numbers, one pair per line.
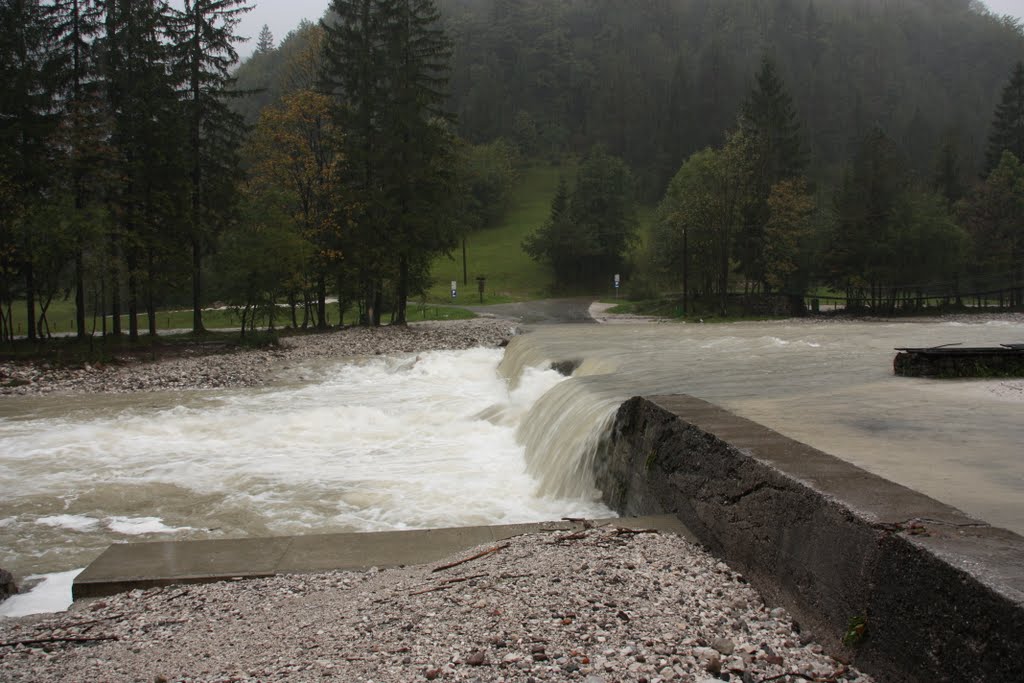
940, 595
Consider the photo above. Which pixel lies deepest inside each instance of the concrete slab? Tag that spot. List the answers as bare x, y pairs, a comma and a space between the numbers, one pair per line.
941, 594
127, 566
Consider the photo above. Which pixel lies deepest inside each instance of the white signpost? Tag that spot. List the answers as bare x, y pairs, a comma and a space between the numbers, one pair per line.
616, 285
454, 288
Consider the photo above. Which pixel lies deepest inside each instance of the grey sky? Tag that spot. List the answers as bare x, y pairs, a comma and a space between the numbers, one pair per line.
283, 16
1014, 7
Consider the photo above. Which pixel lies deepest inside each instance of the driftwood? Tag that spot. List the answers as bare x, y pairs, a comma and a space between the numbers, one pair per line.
569, 537
623, 531
465, 578
470, 559
432, 590
831, 678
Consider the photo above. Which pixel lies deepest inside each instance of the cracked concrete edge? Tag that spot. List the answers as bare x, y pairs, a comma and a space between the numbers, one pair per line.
942, 593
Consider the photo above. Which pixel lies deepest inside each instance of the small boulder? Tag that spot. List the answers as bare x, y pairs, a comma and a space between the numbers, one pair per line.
7, 585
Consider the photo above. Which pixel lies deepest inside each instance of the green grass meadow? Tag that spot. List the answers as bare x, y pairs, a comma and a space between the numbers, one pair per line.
497, 252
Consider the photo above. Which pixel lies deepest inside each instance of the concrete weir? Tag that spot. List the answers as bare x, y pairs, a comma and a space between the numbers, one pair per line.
128, 566
906, 587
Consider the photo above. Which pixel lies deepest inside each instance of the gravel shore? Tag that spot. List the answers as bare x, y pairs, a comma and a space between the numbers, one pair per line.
598, 605
245, 368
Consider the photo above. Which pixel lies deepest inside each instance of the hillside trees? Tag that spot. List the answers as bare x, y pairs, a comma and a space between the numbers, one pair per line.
994, 216
589, 232
890, 235
1007, 131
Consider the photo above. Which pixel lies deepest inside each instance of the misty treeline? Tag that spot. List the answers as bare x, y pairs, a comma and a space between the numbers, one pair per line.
789, 143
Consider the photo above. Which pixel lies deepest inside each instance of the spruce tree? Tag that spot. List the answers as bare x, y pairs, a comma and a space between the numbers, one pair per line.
204, 51
1007, 133
145, 136
265, 42
76, 24
774, 153
420, 173
352, 74
27, 123
385, 64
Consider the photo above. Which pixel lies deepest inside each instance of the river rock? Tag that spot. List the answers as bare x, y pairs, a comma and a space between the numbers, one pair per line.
7, 585
216, 367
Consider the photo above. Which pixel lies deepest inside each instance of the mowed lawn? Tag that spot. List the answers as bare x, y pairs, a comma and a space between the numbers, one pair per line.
497, 252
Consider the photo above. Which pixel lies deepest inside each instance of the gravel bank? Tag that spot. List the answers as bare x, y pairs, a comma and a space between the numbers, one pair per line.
594, 606
205, 370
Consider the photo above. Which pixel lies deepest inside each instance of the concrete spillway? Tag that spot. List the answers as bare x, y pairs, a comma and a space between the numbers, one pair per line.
905, 586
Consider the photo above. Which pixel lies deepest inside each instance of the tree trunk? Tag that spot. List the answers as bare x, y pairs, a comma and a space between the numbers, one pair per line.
80, 293
150, 297
115, 297
197, 301
133, 298
291, 306
30, 302
403, 289
321, 302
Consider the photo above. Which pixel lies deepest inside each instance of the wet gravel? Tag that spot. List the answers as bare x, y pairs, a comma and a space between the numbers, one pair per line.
597, 605
211, 369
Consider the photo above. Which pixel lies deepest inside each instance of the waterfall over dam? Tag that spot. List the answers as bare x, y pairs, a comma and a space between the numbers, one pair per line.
484, 436
829, 385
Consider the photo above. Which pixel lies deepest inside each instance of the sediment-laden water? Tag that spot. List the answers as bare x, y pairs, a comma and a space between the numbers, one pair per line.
830, 385
379, 444
472, 437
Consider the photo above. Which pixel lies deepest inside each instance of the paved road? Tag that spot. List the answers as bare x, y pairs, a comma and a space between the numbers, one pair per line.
545, 312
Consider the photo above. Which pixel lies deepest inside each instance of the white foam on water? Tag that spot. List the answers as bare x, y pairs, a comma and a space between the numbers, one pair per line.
417, 441
51, 594
137, 526
70, 522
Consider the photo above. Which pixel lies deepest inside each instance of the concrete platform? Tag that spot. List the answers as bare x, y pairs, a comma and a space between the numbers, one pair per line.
127, 566
937, 595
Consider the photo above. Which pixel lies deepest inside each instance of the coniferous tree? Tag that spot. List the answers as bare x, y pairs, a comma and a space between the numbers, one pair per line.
354, 51
774, 153
204, 51
588, 232
947, 178
385, 64
1007, 133
76, 25
265, 42
28, 72
146, 134
420, 174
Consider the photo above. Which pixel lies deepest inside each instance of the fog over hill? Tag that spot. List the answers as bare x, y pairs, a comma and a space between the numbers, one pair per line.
656, 81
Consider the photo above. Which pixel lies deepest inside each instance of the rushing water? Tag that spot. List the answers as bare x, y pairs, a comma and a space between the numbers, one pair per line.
454, 438
830, 385
386, 443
